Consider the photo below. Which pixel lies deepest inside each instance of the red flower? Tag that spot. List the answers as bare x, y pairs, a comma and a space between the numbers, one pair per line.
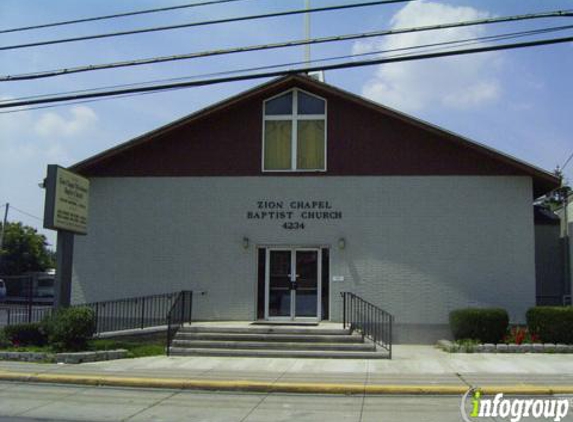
520, 334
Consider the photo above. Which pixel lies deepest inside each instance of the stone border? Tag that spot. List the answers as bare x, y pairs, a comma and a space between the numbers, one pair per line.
78, 357
451, 347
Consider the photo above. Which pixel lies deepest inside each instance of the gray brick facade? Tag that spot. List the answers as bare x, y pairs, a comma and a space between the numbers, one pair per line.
417, 246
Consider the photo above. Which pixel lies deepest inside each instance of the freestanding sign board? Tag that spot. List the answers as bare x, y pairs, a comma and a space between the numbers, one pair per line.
66, 206
65, 210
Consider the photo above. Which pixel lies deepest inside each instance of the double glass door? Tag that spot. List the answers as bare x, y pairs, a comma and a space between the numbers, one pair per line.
292, 284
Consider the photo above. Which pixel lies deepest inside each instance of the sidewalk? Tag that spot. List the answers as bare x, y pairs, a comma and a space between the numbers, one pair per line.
413, 370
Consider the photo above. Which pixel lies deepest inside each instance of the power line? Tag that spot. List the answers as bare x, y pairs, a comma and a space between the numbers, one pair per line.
466, 41
12, 207
117, 15
93, 100
566, 162
204, 23
294, 43
18, 103
347, 56
343, 65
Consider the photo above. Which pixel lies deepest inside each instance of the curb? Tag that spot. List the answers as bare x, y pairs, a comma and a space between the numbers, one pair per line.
277, 387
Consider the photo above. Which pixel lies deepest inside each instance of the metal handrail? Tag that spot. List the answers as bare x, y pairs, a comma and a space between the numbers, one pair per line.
371, 321
179, 314
131, 313
110, 315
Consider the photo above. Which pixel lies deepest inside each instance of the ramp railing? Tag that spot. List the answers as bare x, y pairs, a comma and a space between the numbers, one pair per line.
179, 314
369, 320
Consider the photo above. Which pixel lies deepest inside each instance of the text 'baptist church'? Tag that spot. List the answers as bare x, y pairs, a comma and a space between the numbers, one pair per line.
288, 210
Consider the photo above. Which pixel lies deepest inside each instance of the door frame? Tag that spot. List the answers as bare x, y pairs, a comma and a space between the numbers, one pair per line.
293, 250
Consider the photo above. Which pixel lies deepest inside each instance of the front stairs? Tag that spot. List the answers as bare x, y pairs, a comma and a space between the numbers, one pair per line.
284, 341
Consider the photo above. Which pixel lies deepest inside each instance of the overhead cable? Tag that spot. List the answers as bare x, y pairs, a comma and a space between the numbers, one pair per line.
425, 47
202, 23
293, 43
343, 65
12, 207
116, 15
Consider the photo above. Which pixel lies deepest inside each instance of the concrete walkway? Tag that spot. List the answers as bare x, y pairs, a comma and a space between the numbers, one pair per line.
413, 369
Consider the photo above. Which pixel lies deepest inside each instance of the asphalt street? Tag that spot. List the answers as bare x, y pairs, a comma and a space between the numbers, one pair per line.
20, 402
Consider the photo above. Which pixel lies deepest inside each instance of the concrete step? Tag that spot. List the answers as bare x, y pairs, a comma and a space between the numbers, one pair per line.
317, 354
298, 338
273, 345
273, 329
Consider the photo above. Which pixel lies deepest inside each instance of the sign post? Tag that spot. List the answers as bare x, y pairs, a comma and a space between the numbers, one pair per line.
65, 210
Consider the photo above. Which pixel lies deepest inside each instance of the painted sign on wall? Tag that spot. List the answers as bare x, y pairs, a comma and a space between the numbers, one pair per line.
66, 204
293, 214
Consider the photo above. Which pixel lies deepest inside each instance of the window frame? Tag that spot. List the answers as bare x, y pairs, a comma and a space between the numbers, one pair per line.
294, 118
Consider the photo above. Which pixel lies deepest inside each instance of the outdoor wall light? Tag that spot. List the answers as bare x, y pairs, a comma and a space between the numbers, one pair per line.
342, 243
246, 242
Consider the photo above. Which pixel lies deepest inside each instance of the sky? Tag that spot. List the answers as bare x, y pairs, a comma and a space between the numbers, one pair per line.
519, 101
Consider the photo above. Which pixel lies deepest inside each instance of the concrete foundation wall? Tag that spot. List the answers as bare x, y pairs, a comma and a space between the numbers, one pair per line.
416, 246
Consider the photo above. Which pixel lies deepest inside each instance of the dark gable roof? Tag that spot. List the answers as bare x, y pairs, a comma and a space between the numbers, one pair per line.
96, 165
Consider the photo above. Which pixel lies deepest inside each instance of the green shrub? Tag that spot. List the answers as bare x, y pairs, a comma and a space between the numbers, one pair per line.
70, 328
4, 341
553, 324
488, 325
25, 334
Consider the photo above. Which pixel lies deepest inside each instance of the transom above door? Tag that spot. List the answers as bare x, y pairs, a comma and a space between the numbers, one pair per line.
293, 283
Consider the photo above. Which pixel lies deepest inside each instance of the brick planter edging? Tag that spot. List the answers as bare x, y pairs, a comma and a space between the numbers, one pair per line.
76, 357
451, 347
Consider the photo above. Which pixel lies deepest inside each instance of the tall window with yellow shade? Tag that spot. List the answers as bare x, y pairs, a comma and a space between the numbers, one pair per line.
294, 136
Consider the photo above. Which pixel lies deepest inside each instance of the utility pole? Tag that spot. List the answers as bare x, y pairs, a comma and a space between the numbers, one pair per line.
307, 34
567, 235
7, 207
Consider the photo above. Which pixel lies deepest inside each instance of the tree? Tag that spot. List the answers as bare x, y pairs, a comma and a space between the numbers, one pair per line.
24, 250
557, 197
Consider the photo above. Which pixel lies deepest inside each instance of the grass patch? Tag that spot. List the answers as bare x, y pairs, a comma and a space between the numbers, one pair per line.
135, 349
35, 349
